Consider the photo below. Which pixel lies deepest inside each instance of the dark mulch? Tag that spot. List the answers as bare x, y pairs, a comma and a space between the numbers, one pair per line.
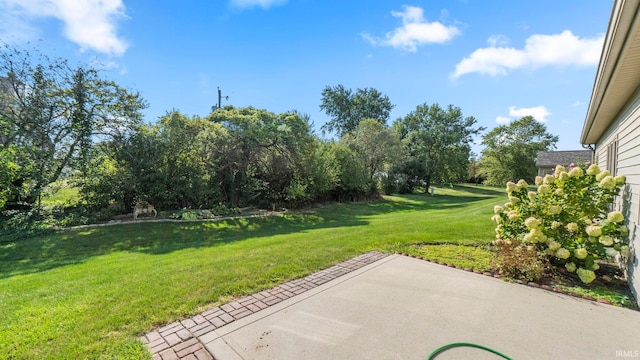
610, 276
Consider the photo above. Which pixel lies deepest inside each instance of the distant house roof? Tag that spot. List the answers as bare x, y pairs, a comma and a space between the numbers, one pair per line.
553, 158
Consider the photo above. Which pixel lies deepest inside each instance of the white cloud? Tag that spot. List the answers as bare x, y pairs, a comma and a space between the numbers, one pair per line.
562, 49
497, 40
539, 113
577, 103
252, 3
415, 31
89, 23
503, 119
492, 61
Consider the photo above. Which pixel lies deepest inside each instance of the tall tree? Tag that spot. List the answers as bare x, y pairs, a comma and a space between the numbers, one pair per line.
52, 113
375, 144
438, 142
347, 108
510, 150
262, 154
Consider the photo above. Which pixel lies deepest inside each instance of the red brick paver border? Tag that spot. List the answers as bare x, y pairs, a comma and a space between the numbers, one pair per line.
179, 340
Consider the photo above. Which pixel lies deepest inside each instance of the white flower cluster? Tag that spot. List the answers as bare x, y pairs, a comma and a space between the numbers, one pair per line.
559, 219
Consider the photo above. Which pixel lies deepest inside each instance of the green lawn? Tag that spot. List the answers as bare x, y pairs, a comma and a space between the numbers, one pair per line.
467, 257
89, 293
60, 194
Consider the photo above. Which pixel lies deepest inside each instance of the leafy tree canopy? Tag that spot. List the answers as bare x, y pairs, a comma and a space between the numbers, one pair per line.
376, 145
438, 142
510, 150
52, 114
347, 108
267, 151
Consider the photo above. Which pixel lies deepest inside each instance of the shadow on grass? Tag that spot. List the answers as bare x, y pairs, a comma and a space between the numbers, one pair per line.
76, 246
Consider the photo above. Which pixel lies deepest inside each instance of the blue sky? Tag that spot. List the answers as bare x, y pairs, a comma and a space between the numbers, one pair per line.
497, 60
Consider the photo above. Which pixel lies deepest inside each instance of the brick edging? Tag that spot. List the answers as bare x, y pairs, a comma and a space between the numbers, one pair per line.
179, 340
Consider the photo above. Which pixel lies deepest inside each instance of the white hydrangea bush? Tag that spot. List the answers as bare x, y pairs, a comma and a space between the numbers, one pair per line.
567, 218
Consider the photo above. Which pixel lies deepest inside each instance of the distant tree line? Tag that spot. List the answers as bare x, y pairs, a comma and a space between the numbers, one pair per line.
233, 157
60, 121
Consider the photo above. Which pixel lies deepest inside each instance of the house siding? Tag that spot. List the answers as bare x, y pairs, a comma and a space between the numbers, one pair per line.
542, 171
626, 131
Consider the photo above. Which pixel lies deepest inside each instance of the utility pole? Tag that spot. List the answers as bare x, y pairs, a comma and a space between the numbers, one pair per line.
214, 108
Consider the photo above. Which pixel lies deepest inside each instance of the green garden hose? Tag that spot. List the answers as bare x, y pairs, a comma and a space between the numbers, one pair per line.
463, 344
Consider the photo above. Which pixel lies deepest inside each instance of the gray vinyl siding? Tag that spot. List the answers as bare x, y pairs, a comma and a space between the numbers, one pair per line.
626, 131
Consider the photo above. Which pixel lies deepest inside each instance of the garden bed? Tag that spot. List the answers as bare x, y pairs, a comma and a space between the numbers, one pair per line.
610, 287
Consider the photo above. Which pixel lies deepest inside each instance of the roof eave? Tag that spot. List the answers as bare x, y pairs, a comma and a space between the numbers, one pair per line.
621, 23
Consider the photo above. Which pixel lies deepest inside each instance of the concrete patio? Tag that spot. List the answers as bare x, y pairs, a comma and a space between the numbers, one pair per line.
397, 307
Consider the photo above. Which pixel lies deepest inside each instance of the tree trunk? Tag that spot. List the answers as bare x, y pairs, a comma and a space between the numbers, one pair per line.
427, 184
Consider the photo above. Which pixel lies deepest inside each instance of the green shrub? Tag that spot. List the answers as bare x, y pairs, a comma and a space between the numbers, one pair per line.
18, 225
389, 184
567, 218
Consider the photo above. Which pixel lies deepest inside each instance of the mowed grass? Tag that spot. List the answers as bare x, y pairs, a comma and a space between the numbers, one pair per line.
90, 293
465, 256
61, 194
